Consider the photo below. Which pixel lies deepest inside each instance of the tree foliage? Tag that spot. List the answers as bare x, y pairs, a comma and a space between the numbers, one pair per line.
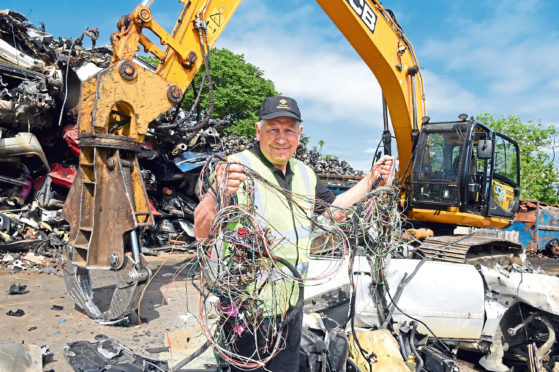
152, 60
239, 89
539, 179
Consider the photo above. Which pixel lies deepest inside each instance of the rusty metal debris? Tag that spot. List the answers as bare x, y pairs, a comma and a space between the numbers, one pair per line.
538, 227
108, 354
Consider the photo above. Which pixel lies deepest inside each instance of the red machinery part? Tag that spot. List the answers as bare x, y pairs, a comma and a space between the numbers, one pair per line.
62, 176
70, 134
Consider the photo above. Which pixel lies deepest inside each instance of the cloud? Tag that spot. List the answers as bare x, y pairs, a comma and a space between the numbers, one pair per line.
502, 62
328, 78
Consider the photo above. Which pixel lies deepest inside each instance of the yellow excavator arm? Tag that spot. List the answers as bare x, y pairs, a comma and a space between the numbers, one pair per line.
107, 205
380, 42
198, 27
370, 29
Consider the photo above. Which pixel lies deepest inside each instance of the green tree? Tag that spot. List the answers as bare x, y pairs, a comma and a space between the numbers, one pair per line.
152, 60
304, 139
239, 89
539, 179
321, 145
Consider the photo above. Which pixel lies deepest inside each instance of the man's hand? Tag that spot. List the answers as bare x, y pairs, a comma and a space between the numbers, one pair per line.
382, 171
229, 177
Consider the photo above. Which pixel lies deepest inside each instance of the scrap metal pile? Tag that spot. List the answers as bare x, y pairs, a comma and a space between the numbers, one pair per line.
40, 78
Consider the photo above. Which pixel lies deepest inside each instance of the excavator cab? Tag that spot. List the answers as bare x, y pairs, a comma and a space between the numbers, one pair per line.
465, 167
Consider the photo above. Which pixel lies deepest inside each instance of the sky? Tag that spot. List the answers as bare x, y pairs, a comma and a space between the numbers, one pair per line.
498, 56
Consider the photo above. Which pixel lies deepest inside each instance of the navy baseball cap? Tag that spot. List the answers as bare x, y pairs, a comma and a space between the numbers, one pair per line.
274, 107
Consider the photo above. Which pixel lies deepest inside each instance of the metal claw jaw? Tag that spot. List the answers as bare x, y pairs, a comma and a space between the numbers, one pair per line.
130, 280
106, 208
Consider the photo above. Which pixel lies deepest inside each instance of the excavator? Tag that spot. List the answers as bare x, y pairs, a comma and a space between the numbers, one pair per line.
454, 173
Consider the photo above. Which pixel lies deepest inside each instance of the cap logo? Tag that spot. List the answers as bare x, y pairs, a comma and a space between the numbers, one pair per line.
283, 104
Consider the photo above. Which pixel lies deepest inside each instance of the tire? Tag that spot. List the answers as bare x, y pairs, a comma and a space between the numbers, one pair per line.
552, 248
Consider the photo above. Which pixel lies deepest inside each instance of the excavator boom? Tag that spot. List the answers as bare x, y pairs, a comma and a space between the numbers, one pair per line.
381, 43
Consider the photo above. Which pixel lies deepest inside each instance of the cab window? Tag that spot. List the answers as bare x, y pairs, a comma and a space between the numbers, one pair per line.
506, 159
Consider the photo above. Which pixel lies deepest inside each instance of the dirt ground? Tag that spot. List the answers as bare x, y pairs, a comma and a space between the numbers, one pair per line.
548, 265
164, 306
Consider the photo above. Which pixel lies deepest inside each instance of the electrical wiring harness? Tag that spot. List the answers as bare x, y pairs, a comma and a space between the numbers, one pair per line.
247, 287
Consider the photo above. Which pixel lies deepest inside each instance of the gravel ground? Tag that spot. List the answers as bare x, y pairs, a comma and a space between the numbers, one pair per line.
163, 307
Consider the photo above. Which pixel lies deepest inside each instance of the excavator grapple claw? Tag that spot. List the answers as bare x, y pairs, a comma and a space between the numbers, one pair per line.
107, 206
130, 280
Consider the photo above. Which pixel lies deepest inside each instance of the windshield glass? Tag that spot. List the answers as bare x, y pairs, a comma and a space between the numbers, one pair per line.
441, 159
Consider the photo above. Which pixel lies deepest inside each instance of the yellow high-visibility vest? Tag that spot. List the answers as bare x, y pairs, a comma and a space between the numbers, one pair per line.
288, 222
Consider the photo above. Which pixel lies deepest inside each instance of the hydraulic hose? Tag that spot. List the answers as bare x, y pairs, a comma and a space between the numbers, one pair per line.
301, 299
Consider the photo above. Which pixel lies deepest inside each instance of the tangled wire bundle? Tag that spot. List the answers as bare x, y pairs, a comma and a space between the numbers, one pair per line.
245, 278
250, 288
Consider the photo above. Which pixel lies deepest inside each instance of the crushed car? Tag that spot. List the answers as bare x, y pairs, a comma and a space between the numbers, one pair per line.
507, 317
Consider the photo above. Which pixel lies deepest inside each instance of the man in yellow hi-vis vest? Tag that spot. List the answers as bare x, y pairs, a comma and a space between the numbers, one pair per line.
278, 133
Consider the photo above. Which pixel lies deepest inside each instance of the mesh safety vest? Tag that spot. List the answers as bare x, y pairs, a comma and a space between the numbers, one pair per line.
288, 223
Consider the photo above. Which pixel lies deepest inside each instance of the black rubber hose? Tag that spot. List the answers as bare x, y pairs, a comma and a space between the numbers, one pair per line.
414, 349
301, 299
407, 344
404, 344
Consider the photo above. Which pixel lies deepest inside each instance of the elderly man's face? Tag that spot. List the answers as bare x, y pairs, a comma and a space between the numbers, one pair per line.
279, 138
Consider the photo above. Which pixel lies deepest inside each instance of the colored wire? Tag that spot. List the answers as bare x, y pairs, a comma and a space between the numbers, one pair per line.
243, 285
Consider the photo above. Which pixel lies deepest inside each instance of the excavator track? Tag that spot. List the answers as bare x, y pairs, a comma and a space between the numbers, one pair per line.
471, 249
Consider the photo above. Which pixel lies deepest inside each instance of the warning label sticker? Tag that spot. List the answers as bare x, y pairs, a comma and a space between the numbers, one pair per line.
216, 18
215, 22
